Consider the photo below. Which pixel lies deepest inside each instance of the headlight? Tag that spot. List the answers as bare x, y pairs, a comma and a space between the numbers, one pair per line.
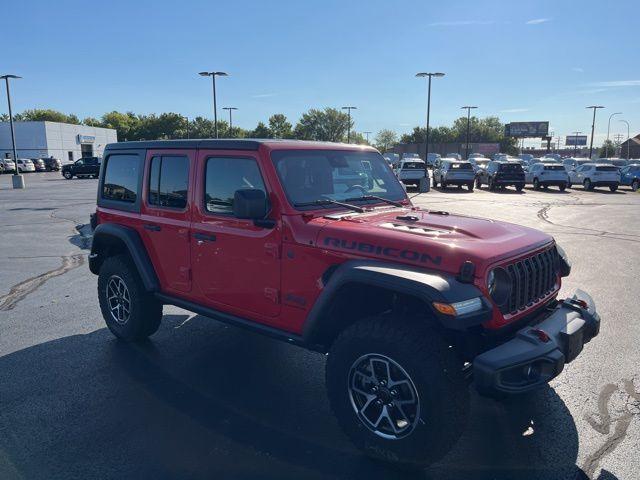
499, 285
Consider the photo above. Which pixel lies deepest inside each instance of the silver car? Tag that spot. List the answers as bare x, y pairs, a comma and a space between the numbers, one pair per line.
453, 172
592, 175
544, 175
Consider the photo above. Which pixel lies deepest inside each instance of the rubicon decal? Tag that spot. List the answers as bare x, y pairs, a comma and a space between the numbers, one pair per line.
363, 247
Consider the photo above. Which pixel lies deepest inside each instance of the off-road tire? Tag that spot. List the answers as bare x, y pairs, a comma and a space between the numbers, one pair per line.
145, 312
433, 368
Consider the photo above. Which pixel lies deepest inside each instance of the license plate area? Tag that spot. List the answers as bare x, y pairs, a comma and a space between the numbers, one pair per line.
572, 338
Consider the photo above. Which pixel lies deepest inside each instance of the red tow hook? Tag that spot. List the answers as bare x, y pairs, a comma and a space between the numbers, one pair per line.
541, 334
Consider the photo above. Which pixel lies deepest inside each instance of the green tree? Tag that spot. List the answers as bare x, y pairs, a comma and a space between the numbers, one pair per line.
4, 117
201, 127
261, 131
92, 122
603, 152
385, 139
279, 126
329, 125
125, 124
46, 115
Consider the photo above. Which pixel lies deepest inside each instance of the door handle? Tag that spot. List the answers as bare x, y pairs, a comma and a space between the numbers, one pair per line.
204, 237
152, 228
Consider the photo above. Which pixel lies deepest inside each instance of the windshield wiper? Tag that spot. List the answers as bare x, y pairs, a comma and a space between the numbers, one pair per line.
355, 208
375, 197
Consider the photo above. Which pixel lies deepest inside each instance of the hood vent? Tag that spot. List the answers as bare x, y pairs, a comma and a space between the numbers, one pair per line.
420, 230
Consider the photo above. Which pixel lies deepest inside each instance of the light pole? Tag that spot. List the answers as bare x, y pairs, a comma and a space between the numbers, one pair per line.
17, 179
628, 136
348, 109
423, 188
367, 134
468, 108
575, 143
213, 76
231, 109
606, 146
593, 127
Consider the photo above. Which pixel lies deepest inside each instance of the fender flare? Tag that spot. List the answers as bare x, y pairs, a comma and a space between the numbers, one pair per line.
427, 286
107, 232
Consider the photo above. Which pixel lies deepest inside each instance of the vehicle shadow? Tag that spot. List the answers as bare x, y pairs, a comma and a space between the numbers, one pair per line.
453, 190
202, 400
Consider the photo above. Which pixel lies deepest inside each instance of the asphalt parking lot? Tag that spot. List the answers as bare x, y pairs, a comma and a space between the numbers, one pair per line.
204, 400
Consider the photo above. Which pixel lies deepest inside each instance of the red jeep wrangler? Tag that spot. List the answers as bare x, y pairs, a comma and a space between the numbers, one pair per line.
317, 244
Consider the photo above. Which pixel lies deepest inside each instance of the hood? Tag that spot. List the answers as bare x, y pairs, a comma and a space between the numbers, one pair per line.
430, 239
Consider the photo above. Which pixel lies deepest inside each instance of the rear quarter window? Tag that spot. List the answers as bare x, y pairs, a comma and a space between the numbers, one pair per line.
121, 176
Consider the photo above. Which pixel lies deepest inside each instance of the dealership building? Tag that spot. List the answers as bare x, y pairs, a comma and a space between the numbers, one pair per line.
64, 141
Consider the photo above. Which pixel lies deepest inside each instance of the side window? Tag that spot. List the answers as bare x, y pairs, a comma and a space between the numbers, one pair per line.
79, 163
225, 175
121, 178
169, 181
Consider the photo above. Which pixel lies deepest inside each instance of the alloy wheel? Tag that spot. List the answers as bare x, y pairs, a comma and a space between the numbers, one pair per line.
383, 396
119, 300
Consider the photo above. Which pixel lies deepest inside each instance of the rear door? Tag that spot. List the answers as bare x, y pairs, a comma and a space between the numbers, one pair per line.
236, 264
166, 216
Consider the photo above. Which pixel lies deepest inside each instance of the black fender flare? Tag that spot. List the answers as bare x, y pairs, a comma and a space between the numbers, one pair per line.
427, 286
106, 233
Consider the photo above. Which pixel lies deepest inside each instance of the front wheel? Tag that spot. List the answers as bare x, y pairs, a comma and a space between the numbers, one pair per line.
587, 184
470, 187
562, 187
397, 390
67, 175
536, 184
478, 183
519, 187
613, 188
635, 185
130, 312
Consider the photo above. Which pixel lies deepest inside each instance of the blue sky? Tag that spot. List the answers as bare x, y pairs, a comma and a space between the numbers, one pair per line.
520, 60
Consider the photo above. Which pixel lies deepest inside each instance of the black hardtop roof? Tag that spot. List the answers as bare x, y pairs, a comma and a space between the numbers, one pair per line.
229, 144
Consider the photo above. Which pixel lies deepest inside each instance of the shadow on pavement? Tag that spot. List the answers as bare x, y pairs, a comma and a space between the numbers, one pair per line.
203, 400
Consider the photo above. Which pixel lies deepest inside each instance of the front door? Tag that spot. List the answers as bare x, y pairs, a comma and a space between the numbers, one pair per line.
166, 216
236, 264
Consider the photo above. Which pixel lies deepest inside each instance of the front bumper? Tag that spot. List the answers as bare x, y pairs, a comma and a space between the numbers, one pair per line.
538, 352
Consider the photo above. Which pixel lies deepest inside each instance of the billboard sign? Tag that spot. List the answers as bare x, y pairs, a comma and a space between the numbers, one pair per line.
575, 140
526, 129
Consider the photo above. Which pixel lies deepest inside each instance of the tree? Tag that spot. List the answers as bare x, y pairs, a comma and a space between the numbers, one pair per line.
125, 124
385, 139
329, 125
610, 151
46, 115
4, 117
279, 126
92, 122
261, 131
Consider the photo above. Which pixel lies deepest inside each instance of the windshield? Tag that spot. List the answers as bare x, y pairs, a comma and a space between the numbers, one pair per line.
311, 175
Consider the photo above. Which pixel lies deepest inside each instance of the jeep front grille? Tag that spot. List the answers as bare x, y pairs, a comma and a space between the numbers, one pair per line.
532, 278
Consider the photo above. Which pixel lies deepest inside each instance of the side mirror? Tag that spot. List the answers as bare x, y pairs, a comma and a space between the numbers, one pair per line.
251, 204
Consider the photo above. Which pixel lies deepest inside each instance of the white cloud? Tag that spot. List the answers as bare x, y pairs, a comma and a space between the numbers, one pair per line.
538, 21
461, 23
617, 83
514, 110
578, 69
264, 95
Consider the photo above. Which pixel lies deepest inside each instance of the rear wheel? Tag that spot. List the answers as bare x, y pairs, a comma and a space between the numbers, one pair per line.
478, 183
492, 186
397, 390
587, 184
435, 183
470, 187
67, 175
613, 188
536, 184
562, 187
130, 312
635, 185
520, 187
443, 184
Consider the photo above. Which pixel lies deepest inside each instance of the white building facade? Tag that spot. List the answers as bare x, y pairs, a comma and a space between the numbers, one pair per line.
64, 141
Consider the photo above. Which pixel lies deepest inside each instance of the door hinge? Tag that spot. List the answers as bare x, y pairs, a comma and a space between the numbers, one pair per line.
272, 294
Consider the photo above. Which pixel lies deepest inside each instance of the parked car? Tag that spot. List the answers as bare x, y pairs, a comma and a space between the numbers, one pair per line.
453, 172
8, 165
619, 162
1, 167
556, 157
52, 164
526, 157
432, 158
592, 175
255, 236
456, 156
25, 165
39, 164
570, 163
630, 177
501, 174
411, 170
84, 167
547, 174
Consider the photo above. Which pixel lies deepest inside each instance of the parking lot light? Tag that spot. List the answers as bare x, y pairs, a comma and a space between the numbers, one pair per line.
593, 127
628, 136
213, 76
348, 109
18, 180
423, 188
231, 109
606, 146
468, 124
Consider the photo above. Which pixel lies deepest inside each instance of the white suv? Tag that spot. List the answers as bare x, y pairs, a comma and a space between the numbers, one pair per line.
591, 175
547, 174
452, 172
411, 170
